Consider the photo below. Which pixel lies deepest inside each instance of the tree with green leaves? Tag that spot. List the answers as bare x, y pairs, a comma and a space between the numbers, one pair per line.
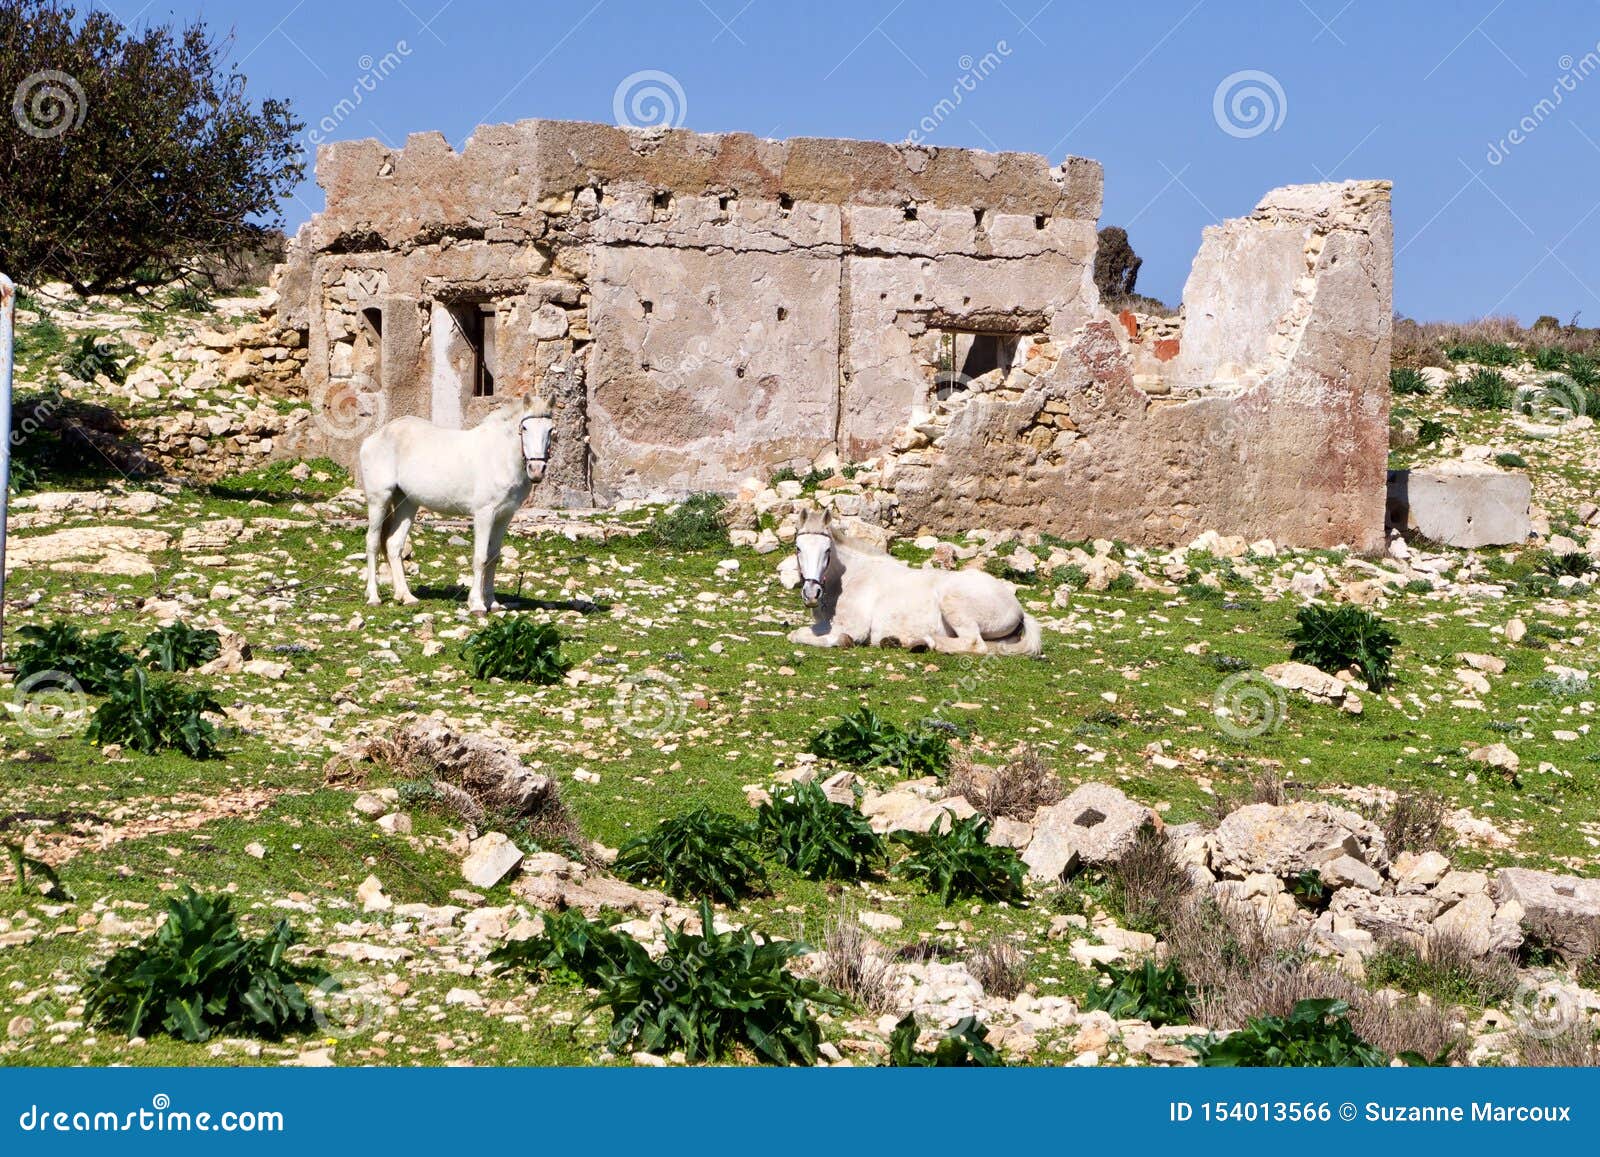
1116, 265
130, 154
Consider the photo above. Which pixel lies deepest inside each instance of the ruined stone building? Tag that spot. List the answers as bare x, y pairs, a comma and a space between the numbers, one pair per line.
704, 308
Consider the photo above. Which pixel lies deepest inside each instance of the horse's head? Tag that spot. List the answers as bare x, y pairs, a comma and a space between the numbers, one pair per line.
537, 430
813, 549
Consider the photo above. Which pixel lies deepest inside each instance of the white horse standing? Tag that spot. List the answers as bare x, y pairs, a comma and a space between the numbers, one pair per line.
863, 596
486, 472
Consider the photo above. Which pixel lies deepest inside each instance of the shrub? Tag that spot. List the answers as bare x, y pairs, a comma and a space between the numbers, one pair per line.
93, 356
180, 647
1018, 788
1510, 460
571, 948
198, 974
1447, 968
94, 662
712, 990
1333, 638
1482, 390
1574, 564
150, 717
865, 739
964, 1045
516, 649
701, 853
699, 522
1404, 380
956, 864
808, 833
1116, 265
1484, 353
1146, 991
1316, 1034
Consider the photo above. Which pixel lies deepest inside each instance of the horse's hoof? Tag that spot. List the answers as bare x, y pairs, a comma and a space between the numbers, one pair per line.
372, 600
409, 600
846, 641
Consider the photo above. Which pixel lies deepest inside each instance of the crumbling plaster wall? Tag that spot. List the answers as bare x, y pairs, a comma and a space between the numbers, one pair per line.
707, 307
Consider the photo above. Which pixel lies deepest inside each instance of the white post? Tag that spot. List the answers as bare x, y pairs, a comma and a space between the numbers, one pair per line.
8, 329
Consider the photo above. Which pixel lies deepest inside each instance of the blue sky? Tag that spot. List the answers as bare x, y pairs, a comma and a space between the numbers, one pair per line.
1497, 197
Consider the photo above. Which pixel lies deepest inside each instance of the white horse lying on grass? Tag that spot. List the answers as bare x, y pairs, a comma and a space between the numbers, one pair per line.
486, 472
863, 596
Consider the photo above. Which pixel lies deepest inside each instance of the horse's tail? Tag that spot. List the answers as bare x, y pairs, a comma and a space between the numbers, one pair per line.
1027, 640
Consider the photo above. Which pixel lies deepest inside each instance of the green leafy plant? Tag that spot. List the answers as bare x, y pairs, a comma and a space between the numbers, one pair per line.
1483, 389
865, 739
701, 853
1315, 1034
957, 863
822, 840
1406, 380
710, 991
1511, 460
1333, 638
571, 947
198, 974
516, 649
1575, 564
179, 647
1431, 432
1002, 568
151, 716
93, 356
1146, 991
190, 299
1308, 888
964, 1045
94, 662
699, 522
1484, 353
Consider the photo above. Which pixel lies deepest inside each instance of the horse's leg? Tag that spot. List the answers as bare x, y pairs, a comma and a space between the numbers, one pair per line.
479, 597
397, 527
377, 516
968, 635
497, 536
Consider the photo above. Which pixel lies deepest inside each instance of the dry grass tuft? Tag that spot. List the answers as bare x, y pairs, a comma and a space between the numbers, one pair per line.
1149, 887
1021, 786
853, 967
1416, 822
1000, 967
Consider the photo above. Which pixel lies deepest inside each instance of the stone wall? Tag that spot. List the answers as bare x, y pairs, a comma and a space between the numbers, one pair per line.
710, 307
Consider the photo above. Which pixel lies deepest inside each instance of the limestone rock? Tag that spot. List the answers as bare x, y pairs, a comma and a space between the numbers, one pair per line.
491, 858
1316, 684
1562, 911
1461, 504
1293, 838
1096, 824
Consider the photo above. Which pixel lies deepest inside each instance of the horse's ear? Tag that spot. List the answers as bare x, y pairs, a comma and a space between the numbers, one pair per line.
535, 406
827, 520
